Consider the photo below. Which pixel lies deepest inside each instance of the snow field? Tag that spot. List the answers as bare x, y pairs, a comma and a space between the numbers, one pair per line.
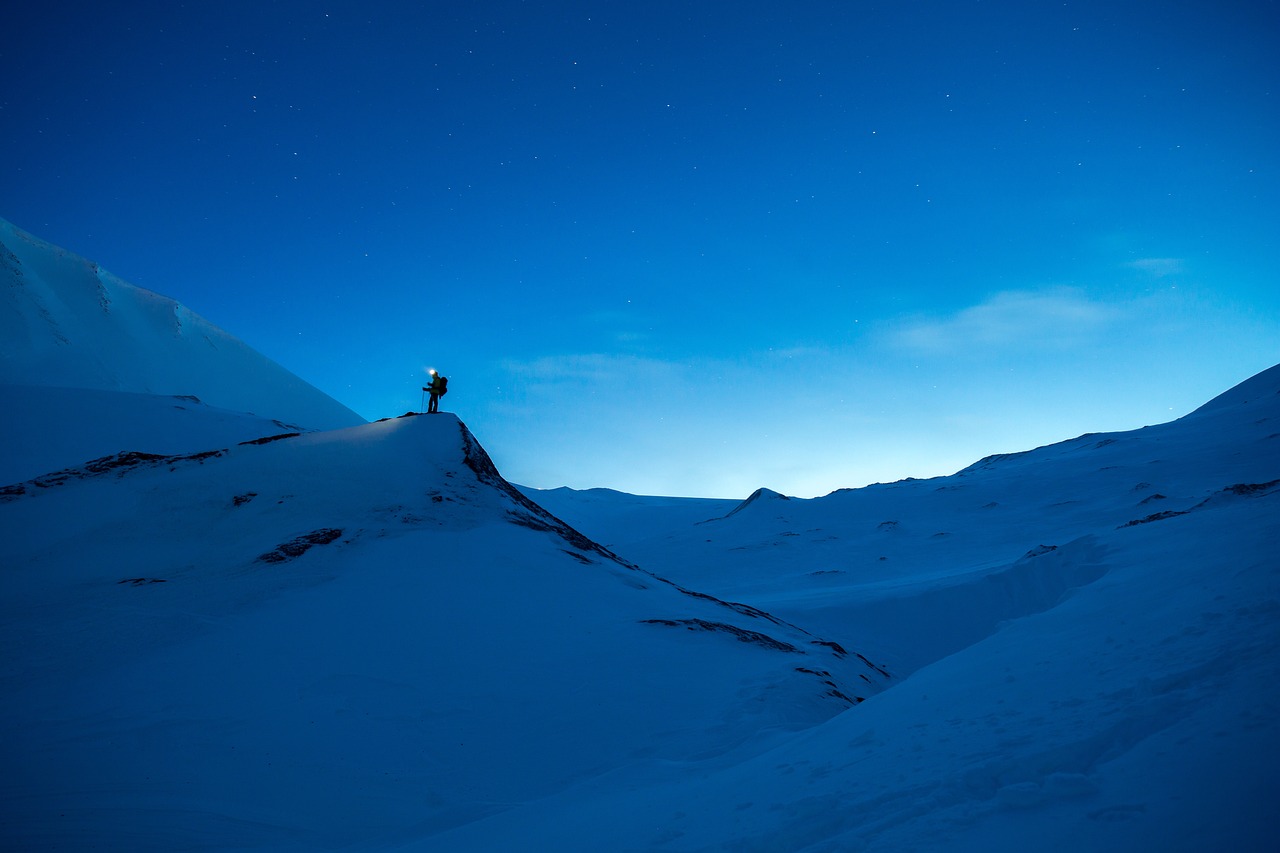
218, 634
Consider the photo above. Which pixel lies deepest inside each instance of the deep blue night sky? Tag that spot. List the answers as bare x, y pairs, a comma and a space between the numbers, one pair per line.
684, 248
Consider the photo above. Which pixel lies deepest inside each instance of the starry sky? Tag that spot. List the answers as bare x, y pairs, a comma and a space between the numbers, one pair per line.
684, 248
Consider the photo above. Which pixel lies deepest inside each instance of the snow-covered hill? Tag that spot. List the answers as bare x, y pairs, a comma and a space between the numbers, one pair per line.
66, 323
854, 556
352, 636
227, 631
1087, 635
617, 517
46, 429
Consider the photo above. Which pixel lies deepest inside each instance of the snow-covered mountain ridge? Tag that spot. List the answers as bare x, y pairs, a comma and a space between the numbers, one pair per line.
234, 603
66, 323
502, 500
53, 428
226, 631
1086, 637
847, 558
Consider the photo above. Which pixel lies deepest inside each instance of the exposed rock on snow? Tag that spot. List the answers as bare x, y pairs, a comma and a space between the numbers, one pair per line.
118, 463
300, 545
742, 635
267, 439
1156, 516
527, 514
1253, 490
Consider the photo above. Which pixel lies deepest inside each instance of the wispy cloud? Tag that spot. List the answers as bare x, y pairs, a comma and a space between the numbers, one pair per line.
621, 327
1158, 267
1025, 319
604, 369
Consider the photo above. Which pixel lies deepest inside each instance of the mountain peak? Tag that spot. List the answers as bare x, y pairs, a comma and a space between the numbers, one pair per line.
1259, 386
758, 496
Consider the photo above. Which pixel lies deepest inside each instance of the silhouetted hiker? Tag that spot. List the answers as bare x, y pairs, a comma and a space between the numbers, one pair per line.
438, 388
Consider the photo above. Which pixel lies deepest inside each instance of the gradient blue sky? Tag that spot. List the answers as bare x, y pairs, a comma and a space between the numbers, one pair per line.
684, 248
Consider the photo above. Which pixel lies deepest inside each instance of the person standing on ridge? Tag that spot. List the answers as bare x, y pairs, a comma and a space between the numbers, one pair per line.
438, 387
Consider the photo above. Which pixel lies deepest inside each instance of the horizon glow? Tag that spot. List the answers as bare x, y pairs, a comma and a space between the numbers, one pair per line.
685, 250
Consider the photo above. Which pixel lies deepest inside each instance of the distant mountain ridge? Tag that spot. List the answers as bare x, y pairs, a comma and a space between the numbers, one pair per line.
65, 322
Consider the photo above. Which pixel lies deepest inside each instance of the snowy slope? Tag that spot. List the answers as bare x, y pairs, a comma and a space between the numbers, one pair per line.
64, 322
1088, 634
367, 638
1138, 714
45, 428
224, 630
360, 636
617, 517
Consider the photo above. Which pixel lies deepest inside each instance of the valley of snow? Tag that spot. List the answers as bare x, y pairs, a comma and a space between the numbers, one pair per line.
249, 621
